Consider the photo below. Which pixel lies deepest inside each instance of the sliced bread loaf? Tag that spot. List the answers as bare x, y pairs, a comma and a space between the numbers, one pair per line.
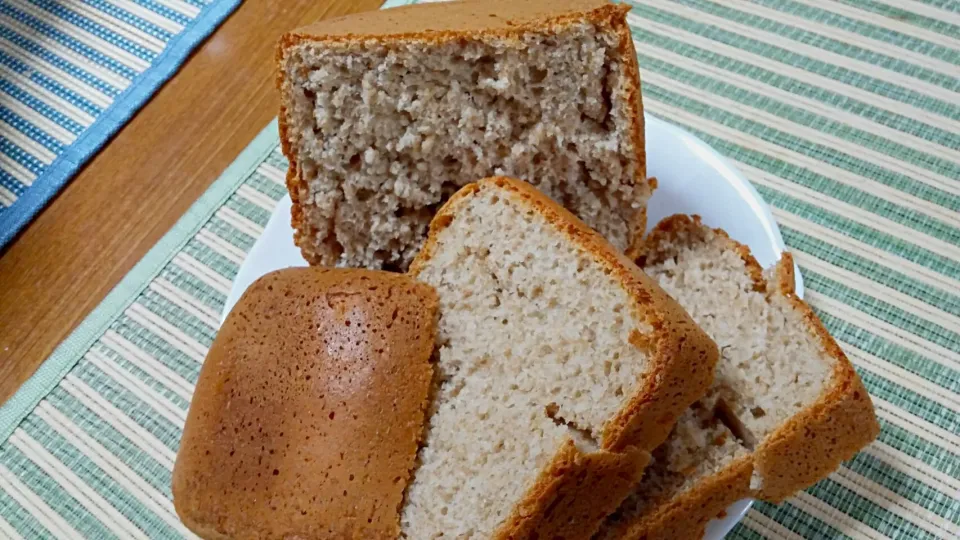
786, 406
559, 364
386, 114
309, 408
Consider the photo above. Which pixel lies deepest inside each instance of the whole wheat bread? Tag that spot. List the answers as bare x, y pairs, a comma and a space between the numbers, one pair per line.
386, 114
559, 365
786, 406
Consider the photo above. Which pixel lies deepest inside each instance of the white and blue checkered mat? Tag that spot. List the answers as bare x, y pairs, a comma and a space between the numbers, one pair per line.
72, 72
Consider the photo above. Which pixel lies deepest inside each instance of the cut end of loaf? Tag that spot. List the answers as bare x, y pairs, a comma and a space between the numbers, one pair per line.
380, 129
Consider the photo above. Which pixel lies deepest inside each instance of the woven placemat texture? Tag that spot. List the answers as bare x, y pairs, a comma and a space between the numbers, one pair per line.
72, 72
844, 115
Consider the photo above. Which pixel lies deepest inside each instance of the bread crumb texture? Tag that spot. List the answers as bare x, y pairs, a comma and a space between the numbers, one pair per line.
777, 365
381, 129
535, 352
309, 408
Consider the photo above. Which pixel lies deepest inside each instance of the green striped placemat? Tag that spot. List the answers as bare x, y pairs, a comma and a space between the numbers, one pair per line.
844, 115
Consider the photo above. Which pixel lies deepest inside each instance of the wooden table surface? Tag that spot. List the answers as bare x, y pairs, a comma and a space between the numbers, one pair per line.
137, 187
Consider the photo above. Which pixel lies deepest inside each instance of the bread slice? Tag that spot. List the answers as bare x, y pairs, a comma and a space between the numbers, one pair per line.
309, 408
386, 114
559, 364
786, 406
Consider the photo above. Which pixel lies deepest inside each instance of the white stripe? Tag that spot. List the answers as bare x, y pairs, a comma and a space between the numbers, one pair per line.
815, 136
75, 487
768, 527
243, 224
167, 24
28, 145
859, 181
892, 502
273, 173
909, 465
7, 197
899, 27
934, 148
78, 86
113, 466
914, 424
833, 517
33, 504
166, 331
853, 213
7, 531
907, 267
114, 79
55, 130
18, 171
853, 38
888, 331
769, 38
133, 431
52, 100
95, 42
256, 197
146, 394
221, 246
878, 290
876, 100
203, 272
902, 377
184, 302
137, 356
129, 31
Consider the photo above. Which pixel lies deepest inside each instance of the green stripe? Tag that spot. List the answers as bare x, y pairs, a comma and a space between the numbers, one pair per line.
130, 403
136, 372
826, 125
21, 520
230, 234
813, 65
890, 119
194, 286
786, 31
744, 532
96, 479
824, 16
168, 311
873, 237
866, 511
926, 451
157, 347
935, 413
906, 16
882, 310
906, 486
116, 443
266, 186
50, 492
876, 272
799, 175
798, 521
217, 262
248, 210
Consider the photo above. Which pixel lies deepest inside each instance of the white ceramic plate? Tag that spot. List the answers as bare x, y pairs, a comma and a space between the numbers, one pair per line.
693, 179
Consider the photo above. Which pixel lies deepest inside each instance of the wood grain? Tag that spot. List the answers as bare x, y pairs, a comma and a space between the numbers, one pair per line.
134, 190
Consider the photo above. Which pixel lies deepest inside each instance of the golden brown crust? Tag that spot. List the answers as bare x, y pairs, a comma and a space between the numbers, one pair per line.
448, 21
572, 496
813, 443
682, 359
805, 449
284, 437
687, 516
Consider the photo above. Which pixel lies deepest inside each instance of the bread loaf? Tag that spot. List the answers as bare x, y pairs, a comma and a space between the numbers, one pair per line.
559, 365
786, 406
309, 408
386, 114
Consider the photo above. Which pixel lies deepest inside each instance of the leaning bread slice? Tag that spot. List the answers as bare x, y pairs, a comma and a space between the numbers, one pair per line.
386, 114
559, 365
786, 406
